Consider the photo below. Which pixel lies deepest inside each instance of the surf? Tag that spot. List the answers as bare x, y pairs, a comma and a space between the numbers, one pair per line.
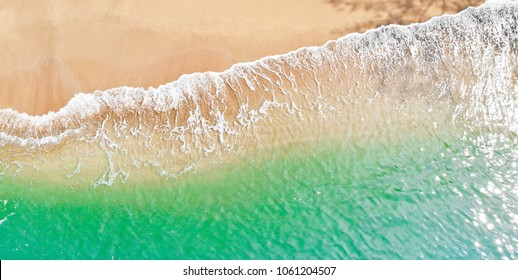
450, 75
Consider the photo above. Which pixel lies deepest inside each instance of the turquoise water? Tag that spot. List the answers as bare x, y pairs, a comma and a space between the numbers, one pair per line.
436, 198
374, 192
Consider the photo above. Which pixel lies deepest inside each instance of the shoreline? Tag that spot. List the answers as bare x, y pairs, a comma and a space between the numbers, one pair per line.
156, 47
377, 86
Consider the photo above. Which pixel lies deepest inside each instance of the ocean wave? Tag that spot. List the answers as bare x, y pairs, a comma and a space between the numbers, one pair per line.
459, 67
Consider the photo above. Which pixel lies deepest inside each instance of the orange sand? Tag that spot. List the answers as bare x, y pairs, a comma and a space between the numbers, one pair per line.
52, 50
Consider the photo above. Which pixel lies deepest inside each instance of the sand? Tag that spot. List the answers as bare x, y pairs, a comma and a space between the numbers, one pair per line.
53, 50
361, 90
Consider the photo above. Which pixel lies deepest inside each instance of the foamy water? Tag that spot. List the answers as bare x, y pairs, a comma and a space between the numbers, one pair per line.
448, 73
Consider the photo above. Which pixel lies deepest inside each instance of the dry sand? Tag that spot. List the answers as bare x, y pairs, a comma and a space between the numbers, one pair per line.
54, 49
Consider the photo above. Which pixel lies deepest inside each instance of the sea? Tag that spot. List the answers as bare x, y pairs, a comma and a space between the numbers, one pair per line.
397, 143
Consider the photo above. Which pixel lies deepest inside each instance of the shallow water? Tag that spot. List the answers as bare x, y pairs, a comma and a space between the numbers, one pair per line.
442, 198
400, 143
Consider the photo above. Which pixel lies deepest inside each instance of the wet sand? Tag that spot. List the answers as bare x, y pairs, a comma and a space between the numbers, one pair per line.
53, 50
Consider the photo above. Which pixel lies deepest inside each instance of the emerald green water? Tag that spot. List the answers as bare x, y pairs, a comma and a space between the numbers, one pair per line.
438, 198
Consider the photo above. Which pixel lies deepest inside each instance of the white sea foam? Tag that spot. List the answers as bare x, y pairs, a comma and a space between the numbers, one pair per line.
464, 63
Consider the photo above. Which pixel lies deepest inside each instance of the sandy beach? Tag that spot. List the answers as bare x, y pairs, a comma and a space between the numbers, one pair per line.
239, 129
53, 50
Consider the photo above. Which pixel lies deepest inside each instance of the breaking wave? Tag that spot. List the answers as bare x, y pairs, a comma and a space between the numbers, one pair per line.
458, 70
